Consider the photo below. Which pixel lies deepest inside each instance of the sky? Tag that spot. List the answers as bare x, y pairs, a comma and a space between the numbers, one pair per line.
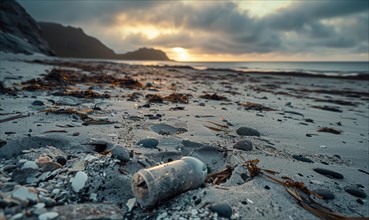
240, 30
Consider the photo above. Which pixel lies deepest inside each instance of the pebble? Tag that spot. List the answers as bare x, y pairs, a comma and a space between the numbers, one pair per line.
222, 208
244, 176
130, 204
79, 181
148, 143
302, 158
49, 166
355, 191
38, 103
48, 216
328, 173
246, 131
360, 201
61, 160
3, 142
23, 176
164, 129
245, 145
25, 194
30, 164
325, 194
121, 153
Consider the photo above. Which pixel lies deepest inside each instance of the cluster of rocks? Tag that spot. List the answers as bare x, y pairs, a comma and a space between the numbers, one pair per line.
43, 183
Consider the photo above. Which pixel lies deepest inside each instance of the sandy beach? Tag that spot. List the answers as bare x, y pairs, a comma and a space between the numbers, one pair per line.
74, 132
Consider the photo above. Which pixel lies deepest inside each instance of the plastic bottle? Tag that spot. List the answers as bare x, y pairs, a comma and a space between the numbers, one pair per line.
155, 184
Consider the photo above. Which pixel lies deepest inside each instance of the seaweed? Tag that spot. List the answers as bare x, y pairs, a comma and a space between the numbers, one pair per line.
327, 108
329, 130
219, 177
82, 94
178, 98
213, 97
255, 106
299, 192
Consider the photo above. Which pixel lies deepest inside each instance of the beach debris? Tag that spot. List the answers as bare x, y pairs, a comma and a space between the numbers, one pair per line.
214, 96
4, 89
328, 173
78, 181
299, 192
255, 106
363, 171
82, 94
336, 101
154, 98
355, 191
243, 144
220, 127
220, 176
158, 183
13, 118
329, 130
178, 98
325, 194
69, 111
58, 78
246, 131
327, 108
148, 143
177, 108
55, 131
222, 208
302, 158
104, 121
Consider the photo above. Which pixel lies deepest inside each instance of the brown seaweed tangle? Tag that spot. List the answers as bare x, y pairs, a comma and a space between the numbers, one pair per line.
220, 177
300, 193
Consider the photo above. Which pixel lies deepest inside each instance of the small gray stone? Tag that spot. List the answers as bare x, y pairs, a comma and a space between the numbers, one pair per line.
302, 158
245, 145
325, 194
328, 173
246, 131
121, 153
23, 176
38, 103
30, 164
164, 129
355, 191
148, 143
25, 194
222, 208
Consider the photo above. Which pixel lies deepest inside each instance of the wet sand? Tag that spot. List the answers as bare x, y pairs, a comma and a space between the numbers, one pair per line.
87, 118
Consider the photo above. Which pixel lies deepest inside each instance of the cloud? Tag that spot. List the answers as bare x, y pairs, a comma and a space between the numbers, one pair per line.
216, 27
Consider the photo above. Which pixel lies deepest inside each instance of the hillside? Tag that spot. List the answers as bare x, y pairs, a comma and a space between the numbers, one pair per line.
19, 32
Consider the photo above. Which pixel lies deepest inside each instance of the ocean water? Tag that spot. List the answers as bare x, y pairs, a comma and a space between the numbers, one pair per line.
316, 68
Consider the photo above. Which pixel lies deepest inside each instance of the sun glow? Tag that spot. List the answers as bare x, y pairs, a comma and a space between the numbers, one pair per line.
180, 54
260, 8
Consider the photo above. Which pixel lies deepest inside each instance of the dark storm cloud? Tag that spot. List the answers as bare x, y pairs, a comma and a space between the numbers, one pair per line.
221, 27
